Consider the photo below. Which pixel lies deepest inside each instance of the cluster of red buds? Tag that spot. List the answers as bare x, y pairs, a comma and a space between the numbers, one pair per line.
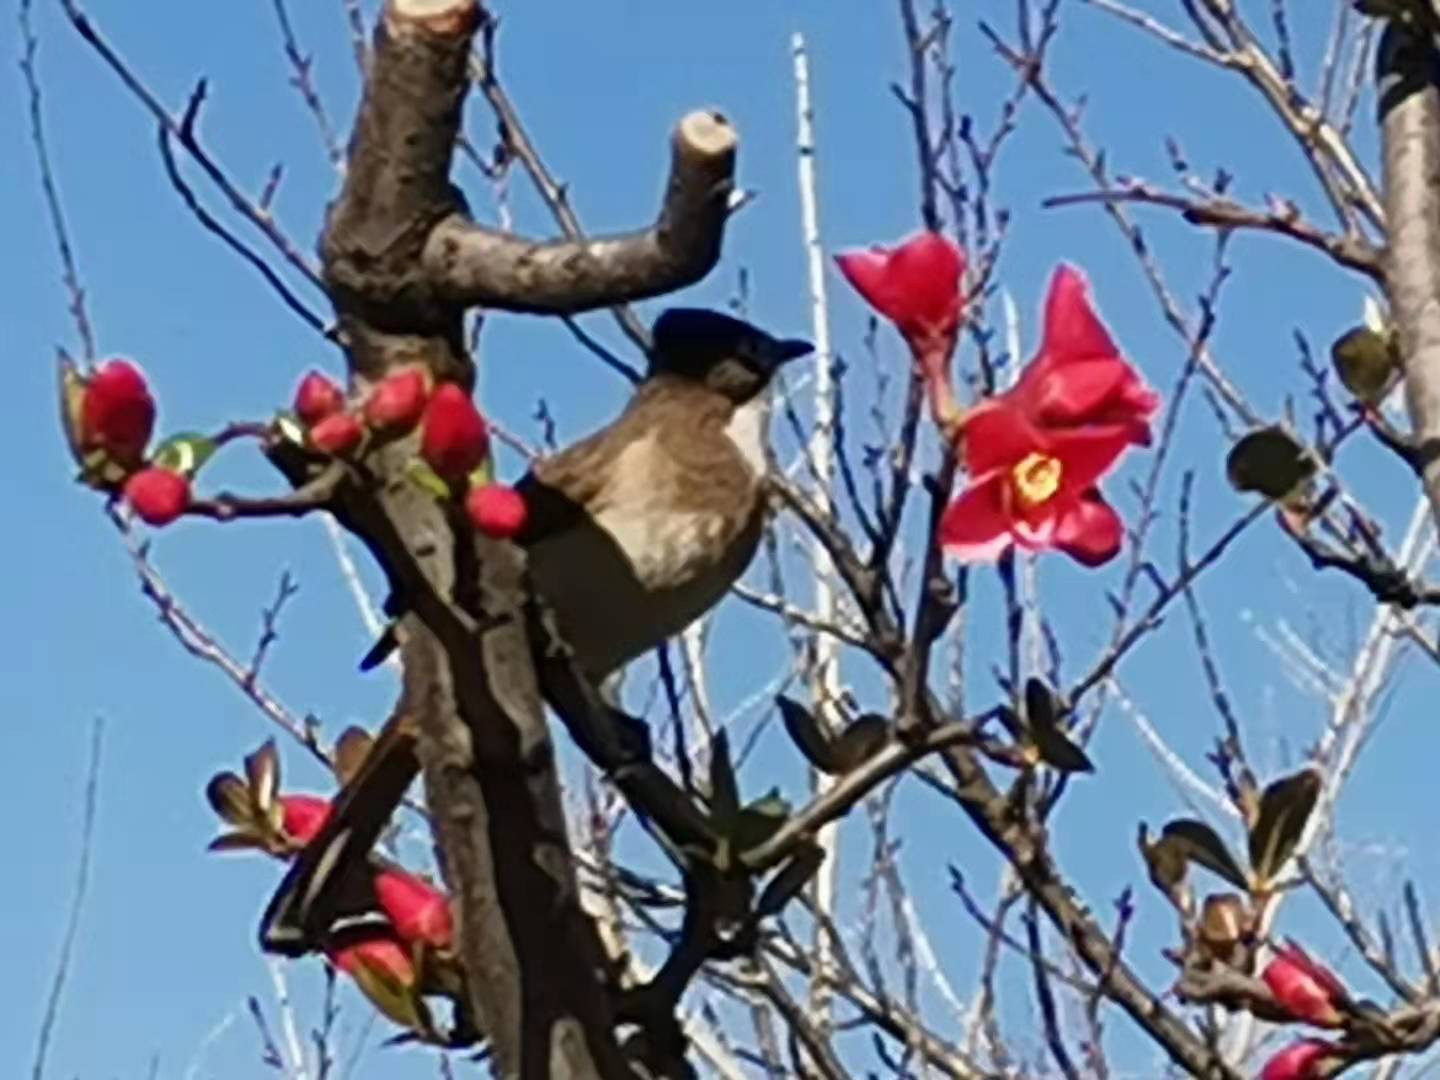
414, 932
454, 438
1035, 453
109, 417
1305, 991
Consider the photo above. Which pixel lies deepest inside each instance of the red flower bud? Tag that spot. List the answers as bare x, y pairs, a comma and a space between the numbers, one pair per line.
117, 413
1303, 1060
159, 496
1304, 987
396, 404
916, 285
419, 911
496, 510
383, 954
338, 434
455, 439
305, 816
317, 398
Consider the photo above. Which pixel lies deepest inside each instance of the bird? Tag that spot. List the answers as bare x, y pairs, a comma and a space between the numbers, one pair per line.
632, 533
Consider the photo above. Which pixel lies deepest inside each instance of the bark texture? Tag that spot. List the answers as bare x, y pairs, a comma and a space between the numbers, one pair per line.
402, 261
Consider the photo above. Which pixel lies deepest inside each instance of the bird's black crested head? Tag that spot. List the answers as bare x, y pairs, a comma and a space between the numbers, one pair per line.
727, 354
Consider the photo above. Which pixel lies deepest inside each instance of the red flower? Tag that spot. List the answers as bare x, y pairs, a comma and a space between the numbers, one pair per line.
1035, 488
317, 398
1036, 452
117, 413
158, 495
337, 434
419, 911
398, 400
1078, 378
1303, 1060
455, 439
916, 285
496, 510
304, 816
1304, 987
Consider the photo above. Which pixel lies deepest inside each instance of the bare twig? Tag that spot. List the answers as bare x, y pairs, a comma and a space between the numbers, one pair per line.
77, 903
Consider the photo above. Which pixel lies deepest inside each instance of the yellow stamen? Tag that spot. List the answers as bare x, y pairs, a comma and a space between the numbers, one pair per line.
1036, 479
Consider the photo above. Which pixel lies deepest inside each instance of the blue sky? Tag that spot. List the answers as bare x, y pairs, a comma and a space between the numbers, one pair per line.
165, 955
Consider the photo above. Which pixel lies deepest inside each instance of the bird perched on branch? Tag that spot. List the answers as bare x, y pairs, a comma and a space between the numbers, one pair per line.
632, 534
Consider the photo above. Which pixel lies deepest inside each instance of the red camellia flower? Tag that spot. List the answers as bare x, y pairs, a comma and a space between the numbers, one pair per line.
304, 816
1034, 488
1078, 378
916, 285
1036, 452
455, 439
117, 412
1303, 1060
158, 495
337, 434
496, 510
418, 910
317, 398
397, 402
1304, 987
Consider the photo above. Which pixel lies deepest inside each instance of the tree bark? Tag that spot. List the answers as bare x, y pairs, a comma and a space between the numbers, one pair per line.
401, 261
1409, 105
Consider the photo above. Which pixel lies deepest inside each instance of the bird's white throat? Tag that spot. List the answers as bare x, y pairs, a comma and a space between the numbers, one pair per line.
747, 430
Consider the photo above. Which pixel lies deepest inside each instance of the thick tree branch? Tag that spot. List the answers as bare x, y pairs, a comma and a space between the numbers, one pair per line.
474, 265
1410, 135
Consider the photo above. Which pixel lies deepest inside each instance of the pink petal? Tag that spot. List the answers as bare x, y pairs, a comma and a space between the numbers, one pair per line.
996, 435
1086, 454
866, 271
1072, 329
975, 527
1074, 393
1036, 531
926, 269
916, 284
1089, 530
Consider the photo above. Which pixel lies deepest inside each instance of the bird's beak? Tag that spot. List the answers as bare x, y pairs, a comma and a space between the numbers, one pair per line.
792, 349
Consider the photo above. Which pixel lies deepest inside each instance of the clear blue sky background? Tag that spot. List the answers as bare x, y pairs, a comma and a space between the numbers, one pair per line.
166, 953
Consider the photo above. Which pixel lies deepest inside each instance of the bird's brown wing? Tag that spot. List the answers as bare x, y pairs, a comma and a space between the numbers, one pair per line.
561, 488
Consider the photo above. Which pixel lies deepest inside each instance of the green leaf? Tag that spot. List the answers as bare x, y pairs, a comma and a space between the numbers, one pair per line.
351, 750
392, 997
861, 741
1043, 713
787, 882
262, 770
1201, 844
1165, 859
724, 789
1366, 362
1285, 807
427, 479
1270, 462
758, 822
72, 406
238, 840
230, 798
287, 425
185, 453
807, 734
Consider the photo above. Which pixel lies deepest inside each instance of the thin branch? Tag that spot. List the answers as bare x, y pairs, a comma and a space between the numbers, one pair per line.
77, 903
70, 272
